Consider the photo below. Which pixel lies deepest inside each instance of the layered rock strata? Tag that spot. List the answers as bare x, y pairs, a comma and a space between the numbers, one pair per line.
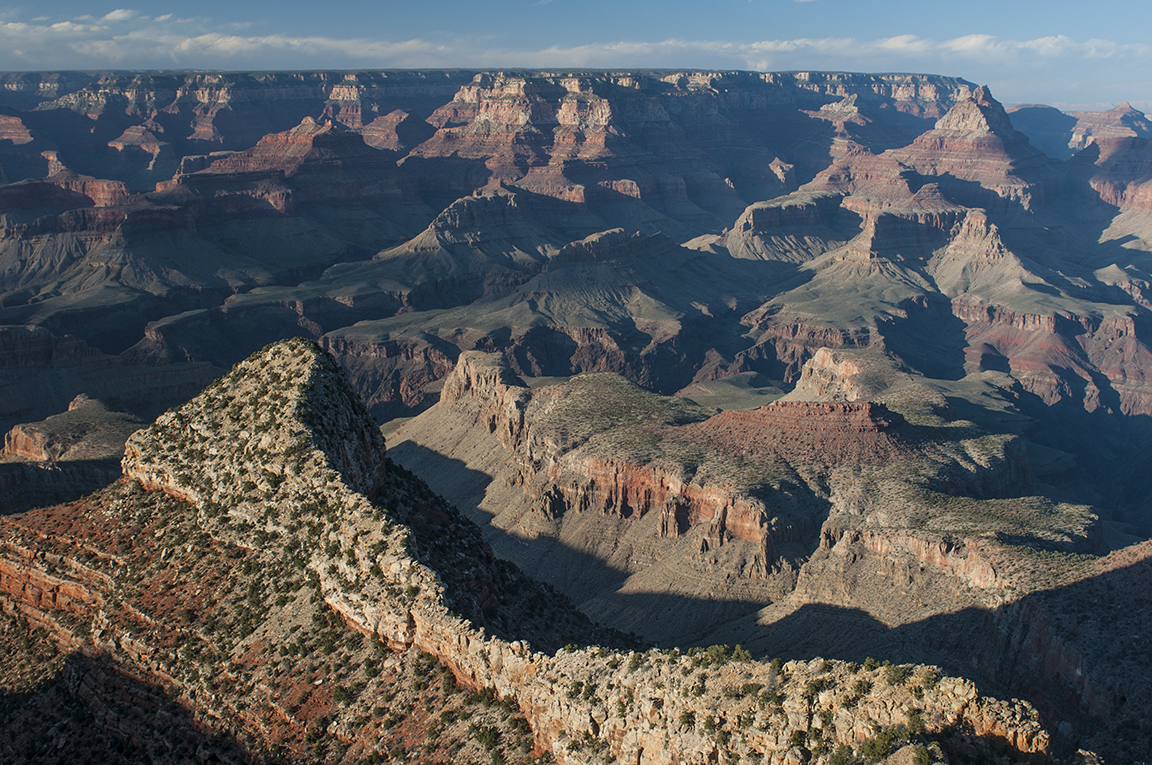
691, 504
657, 707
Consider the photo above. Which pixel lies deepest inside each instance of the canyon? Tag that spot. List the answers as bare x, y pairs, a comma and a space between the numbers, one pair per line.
223, 478
821, 364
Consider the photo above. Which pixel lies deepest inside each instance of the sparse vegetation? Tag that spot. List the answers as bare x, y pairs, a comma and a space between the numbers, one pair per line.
250, 610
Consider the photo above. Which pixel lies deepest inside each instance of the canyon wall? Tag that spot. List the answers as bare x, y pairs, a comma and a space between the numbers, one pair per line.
640, 697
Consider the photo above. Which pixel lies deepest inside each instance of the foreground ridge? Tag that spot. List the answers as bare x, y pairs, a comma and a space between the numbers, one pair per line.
263, 469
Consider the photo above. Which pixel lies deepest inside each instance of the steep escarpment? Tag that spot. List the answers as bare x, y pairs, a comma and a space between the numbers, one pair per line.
975, 141
402, 218
239, 160
728, 236
1100, 360
222, 598
921, 555
608, 492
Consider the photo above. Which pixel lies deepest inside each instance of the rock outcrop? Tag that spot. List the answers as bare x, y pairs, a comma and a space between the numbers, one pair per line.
688, 504
88, 430
975, 141
1118, 144
804, 432
691, 231
305, 449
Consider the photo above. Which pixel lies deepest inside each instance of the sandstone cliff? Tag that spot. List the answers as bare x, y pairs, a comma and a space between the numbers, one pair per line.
691, 231
887, 553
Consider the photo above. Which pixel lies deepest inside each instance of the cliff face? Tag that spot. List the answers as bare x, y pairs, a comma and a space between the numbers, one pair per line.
1060, 357
205, 215
736, 504
254, 148
932, 555
305, 448
713, 234
88, 430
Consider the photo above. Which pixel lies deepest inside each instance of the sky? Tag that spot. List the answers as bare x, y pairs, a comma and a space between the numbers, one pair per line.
1064, 53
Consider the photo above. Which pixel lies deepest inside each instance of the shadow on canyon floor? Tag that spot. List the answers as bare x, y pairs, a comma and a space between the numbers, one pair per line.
26, 485
592, 583
92, 711
1082, 653
931, 339
1111, 451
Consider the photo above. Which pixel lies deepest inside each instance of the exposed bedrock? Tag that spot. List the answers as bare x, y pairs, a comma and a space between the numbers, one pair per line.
640, 698
87, 430
400, 374
707, 508
787, 340
618, 487
337, 457
322, 451
1098, 362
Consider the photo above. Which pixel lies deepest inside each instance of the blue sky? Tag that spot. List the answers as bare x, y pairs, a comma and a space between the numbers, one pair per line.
1059, 52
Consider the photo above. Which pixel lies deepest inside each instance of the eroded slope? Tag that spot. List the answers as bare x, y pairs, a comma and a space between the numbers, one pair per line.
263, 609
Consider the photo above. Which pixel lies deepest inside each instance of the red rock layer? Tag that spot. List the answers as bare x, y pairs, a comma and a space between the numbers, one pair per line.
1124, 175
975, 141
1119, 143
1059, 356
12, 129
101, 191
22, 443
1104, 128
803, 431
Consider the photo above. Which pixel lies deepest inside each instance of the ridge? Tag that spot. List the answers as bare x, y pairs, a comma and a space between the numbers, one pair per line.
289, 412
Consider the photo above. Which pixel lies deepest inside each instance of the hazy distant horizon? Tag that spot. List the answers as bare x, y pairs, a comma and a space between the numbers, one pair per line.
1098, 106
1058, 55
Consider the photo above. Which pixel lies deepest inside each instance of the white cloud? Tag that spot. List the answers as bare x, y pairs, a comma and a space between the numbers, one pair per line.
120, 14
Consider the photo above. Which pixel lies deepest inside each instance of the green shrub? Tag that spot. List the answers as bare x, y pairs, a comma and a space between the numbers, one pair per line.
885, 743
488, 736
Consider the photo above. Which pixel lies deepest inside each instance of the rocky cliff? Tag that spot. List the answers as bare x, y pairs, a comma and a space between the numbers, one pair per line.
728, 236
593, 477
295, 512
471, 187
902, 547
